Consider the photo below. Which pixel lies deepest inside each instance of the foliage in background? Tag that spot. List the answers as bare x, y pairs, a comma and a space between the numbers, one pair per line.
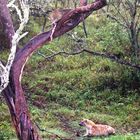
81, 86
94, 87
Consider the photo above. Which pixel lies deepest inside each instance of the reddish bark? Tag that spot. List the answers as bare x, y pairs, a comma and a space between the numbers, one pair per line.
6, 25
14, 94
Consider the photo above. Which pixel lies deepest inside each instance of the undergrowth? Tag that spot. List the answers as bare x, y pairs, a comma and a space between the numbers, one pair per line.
63, 90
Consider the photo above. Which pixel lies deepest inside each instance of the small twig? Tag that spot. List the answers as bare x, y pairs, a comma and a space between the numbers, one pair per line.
117, 20
111, 57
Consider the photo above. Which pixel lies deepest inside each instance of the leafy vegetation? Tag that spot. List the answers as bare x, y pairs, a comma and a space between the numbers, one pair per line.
63, 90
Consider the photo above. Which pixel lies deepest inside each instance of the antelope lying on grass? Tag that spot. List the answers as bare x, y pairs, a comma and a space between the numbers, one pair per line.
93, 129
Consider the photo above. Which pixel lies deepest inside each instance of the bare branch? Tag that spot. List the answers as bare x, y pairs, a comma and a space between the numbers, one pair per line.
121, 15
117, 20
11, 4
109, 56
137, 20
5, 70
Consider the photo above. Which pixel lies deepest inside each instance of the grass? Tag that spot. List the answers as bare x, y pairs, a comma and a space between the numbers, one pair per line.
81, 91
118, 137
63, 121
63, 111
66, 89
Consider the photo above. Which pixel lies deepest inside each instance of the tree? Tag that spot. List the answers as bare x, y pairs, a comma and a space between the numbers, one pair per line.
10, 79
127, 14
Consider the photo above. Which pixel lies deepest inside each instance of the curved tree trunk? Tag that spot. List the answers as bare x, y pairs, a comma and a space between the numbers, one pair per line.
14, 94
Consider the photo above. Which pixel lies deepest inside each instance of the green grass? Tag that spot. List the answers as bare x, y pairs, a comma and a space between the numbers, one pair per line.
118, 137
63, 120
66, 89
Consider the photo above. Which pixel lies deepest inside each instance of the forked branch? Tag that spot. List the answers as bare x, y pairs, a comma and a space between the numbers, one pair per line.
5, 70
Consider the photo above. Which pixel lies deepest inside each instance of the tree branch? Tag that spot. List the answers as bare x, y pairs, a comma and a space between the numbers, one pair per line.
6, 25
14, 93
117, 20
5, 70
74, 16
108, 56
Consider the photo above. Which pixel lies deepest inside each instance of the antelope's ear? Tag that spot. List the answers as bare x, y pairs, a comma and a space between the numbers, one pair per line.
85, 120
